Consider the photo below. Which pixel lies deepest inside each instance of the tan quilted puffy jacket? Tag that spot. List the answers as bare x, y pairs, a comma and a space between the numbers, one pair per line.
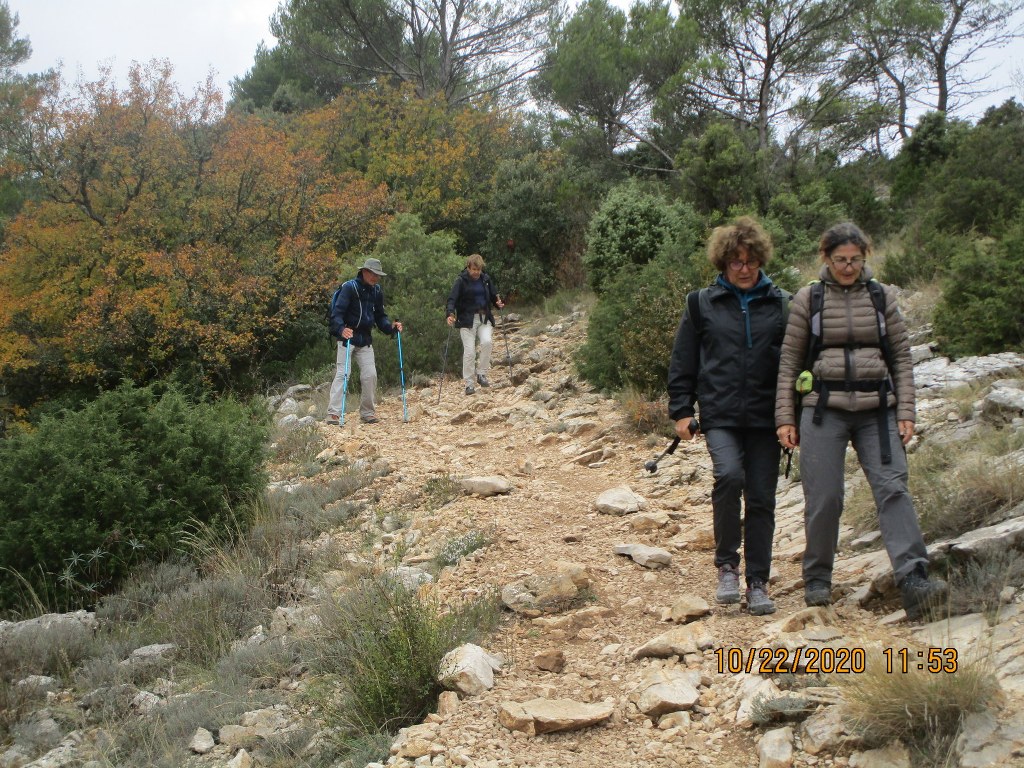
848, 317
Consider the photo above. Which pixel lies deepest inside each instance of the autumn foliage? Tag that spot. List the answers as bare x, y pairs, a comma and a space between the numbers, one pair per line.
167, 237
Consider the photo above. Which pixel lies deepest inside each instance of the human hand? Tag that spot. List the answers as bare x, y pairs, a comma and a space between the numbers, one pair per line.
683, 428
906, 429
451, 320
346, 333
398, 327
789, 438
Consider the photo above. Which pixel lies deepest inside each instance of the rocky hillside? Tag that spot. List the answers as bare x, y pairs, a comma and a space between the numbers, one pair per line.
612, 650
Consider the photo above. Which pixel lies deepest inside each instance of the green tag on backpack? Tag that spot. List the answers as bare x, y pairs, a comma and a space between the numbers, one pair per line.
804, 382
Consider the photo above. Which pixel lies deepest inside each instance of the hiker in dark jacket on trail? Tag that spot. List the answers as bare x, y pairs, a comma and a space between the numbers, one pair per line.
358, 307
726, 358
469, 310
860, 390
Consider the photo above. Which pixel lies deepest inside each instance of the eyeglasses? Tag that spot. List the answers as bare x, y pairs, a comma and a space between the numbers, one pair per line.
855, 262
736, 265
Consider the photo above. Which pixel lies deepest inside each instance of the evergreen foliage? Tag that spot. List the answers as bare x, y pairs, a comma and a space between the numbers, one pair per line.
90, 493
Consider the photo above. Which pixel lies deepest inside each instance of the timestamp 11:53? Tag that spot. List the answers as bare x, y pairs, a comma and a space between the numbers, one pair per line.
933, 660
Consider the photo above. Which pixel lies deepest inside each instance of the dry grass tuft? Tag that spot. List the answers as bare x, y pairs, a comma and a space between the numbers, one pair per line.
923, 710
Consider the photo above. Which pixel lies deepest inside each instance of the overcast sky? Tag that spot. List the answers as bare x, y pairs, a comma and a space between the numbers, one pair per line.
195, 35
222, 35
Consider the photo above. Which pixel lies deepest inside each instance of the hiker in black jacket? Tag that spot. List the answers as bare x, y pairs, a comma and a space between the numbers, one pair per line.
469, 310
726, 358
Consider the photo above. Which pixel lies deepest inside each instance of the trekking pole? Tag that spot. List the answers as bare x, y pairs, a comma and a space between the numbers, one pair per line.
401, 373
508, 355
444, 363
652, 466
344, 380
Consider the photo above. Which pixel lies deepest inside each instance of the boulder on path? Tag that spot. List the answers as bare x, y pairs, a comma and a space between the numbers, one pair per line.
648, 557
619, 501
490, 485
678, 641
666, 690
468, 669
539, 716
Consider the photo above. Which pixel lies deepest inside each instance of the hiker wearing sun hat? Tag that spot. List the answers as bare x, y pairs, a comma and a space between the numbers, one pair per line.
358, 306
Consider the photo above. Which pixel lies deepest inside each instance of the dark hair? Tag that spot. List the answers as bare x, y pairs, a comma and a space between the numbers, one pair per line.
725, 242
841, 234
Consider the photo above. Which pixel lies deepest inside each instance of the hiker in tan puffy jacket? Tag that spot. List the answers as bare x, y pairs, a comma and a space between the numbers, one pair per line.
861, 393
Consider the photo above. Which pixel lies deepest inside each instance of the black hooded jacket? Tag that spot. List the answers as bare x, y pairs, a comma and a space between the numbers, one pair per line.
730, 363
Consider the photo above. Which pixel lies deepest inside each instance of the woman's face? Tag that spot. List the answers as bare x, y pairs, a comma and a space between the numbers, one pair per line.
741, 270
474, 272
845, 263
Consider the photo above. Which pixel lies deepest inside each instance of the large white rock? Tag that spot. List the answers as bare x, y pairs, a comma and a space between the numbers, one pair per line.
666, 690
469, 669
775, 750
620, 501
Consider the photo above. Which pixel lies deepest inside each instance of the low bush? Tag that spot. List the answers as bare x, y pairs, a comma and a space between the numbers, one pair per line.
90, 493
982, 305
383, 645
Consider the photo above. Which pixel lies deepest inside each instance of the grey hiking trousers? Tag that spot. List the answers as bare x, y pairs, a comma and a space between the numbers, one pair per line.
822, 459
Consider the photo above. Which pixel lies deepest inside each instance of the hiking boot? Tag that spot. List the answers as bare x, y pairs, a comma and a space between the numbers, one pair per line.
482, 380
370, 420
921, 594
333, 420
758, 602
817, 592
728, 591
470, 389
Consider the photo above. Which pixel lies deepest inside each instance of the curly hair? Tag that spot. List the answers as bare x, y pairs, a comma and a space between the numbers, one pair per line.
725, 242
841, 234
474, 260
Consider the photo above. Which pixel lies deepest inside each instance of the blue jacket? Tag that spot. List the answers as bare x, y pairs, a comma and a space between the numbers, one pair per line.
359, 306
460, 300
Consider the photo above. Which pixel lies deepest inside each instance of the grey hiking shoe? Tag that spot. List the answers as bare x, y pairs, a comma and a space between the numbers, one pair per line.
482, 380
728, 591
470, 389
817, 592
921, 594
333, 420
758, 602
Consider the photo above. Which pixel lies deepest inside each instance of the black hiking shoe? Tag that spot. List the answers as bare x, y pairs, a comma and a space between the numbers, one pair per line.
817, 592
922, 595
758, 602
482, 380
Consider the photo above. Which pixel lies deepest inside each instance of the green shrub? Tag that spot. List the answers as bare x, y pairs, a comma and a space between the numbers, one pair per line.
90, 493
717, 169
632, 327
421, 269
384, 646
628, 230
457, 547
982, 306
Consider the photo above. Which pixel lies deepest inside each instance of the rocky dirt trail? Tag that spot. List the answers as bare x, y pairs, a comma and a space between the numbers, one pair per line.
560, 447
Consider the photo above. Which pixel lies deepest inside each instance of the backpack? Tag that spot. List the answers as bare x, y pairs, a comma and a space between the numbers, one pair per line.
877, 294
816, 344
330, 311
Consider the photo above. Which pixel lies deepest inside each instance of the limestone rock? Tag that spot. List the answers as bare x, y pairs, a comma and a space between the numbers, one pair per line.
688, 608
551, 660
202, 741
469, 669
775, 750
648, 557
619, 501
893, 755
539, 716
491, 485
678, 641
664, 690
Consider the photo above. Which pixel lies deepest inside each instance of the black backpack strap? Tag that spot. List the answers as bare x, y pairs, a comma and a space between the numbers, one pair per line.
693, 309
877, 294
816, 309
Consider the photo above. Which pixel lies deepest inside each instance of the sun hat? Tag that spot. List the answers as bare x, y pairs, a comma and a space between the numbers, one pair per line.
374, 266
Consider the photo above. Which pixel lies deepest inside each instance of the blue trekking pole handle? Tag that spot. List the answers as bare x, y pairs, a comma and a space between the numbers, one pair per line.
401, 373
344, 380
